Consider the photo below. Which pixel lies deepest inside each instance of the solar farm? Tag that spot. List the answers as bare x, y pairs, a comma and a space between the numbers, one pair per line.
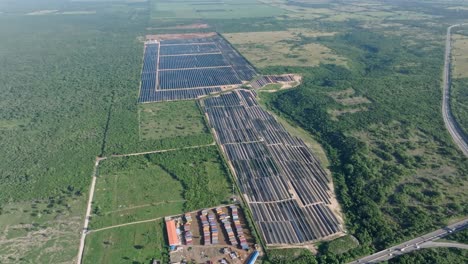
287, 190
190, 68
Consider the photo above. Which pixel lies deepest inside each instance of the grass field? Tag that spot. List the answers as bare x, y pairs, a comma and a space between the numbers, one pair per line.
224, 9
41, 231
460, 56
347, 103
139, 243
341, 245
151, 186
131, 189
171, 120
459, 88
459, 102
284, 48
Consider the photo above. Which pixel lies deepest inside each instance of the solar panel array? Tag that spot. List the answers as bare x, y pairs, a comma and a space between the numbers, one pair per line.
268, 79
182, 69
285, 185
199, 77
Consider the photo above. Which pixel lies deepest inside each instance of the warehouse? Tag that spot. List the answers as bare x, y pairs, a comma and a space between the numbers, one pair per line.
172, 234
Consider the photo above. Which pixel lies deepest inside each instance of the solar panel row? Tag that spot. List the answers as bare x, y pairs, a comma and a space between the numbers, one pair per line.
149, 75
150, 59
204, 77
244, 70
176, 95
192, 61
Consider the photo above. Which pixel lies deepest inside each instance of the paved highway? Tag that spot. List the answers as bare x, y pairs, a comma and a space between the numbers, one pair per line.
452, 126
424, 241
444, 244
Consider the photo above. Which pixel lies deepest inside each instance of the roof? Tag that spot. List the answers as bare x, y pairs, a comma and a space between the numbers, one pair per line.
171, 233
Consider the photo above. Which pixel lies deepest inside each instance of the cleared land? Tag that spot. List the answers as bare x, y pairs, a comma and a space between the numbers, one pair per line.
224, 9
41, 231
460, 56
145, 187
284, 48
345, 97
129, 244
332, 11
172, 120
131, 189
348, 103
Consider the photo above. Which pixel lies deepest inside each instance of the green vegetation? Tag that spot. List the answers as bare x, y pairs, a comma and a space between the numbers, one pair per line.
272, 87
145, 187
131, 189
202, 174
58, 74
433, 256
129, 244
146, 127
42, 231
225, 9
284, 48
339, 245
459, 99
290, 255
461, 236
180, 120
69, 83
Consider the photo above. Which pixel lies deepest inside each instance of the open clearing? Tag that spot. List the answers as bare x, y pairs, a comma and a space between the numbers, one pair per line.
347, 98
171, 120
186, 26
130, 189
460, 56
41, 232
349, 102
283, 48
224, 9
145, 187
129, 244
